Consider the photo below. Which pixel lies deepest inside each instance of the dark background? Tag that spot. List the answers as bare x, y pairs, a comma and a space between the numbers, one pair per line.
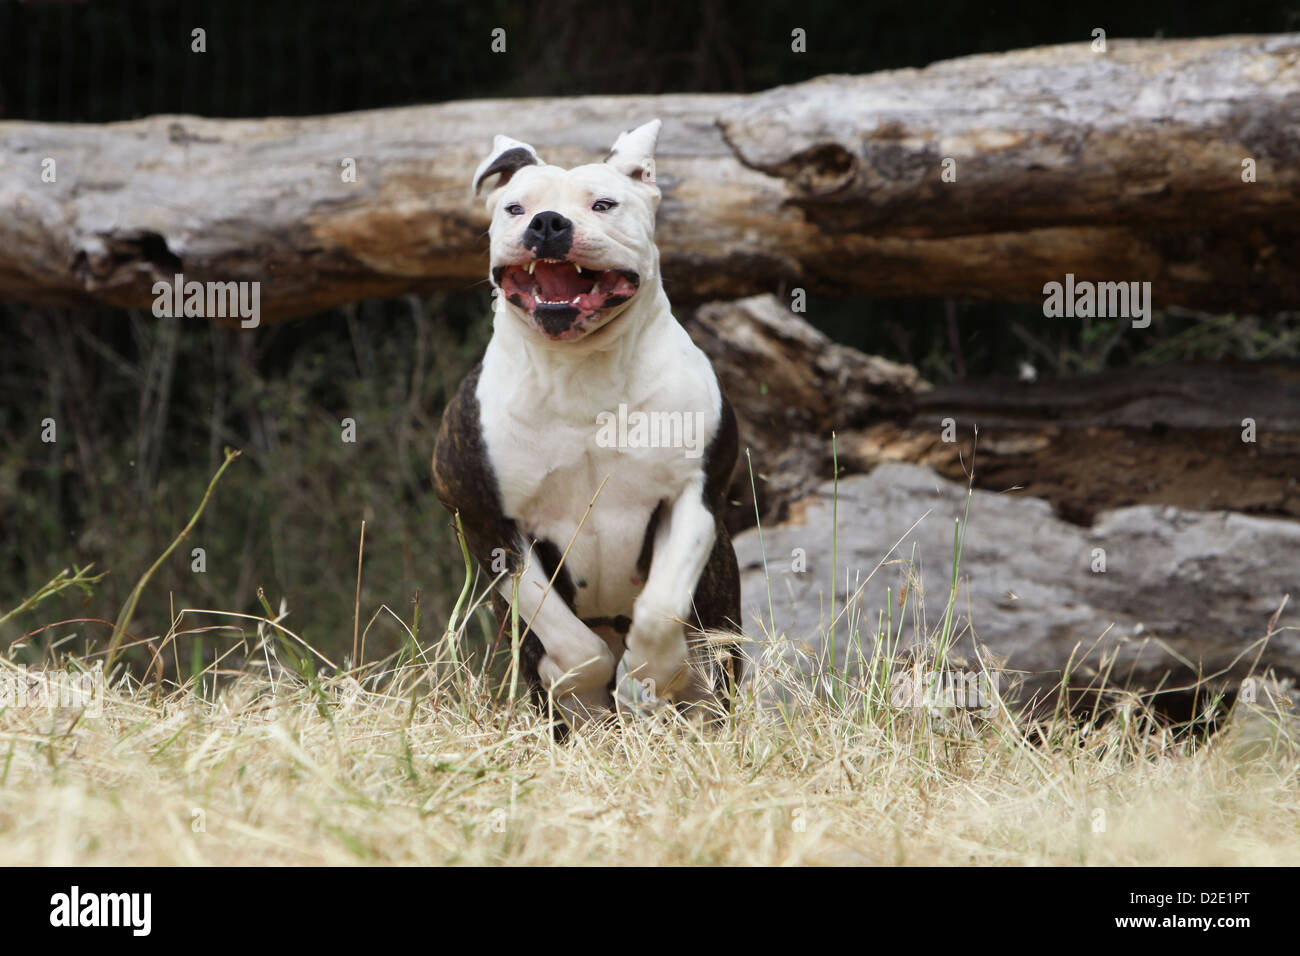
95, 62
145, 406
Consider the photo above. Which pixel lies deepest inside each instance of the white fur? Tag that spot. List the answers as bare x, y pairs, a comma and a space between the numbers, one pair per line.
539, 417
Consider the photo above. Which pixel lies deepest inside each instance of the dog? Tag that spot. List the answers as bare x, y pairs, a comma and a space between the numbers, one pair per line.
609, 543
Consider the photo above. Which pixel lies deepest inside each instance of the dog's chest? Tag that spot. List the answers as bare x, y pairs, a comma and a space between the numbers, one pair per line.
567, 455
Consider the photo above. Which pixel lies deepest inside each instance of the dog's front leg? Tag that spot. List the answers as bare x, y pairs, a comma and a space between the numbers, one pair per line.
657, 656
578, 665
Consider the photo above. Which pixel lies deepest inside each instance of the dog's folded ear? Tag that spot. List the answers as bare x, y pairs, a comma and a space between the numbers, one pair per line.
633, 153
508, 156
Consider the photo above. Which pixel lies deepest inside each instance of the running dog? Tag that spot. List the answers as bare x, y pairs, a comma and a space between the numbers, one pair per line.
589, 453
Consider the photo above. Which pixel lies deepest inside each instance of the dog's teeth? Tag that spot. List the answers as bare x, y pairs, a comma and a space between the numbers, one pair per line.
578, 267
573, 301
531, 266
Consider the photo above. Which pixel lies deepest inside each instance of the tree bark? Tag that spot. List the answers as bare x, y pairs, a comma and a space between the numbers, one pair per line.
1205, 436
1117, 166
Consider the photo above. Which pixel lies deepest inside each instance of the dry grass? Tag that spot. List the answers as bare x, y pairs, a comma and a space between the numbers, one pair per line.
420, 765
422, 759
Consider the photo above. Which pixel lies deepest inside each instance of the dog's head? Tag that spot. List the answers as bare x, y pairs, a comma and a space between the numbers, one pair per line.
571, 248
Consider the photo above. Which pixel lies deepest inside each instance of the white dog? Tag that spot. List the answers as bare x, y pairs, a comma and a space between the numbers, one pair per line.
528, 454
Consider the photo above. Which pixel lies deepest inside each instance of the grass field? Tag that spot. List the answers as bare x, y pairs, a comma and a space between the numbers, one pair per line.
422, 762
271, 753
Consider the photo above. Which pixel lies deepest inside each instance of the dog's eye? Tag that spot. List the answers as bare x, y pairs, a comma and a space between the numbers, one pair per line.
603, 205
515, 209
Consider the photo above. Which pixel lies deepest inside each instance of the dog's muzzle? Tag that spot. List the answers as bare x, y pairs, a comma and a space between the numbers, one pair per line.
563, 299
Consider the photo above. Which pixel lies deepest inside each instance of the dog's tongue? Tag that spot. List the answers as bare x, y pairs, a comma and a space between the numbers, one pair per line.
559, 280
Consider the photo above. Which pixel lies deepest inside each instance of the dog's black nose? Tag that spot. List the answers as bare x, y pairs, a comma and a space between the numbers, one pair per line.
549, 235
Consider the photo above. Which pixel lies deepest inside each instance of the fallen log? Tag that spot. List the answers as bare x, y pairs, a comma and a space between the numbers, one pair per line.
1122, 165
791, 387
1206, 436
1203, 436
1146, 598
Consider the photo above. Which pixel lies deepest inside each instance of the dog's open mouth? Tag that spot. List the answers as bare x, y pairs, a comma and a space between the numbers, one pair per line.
564, 300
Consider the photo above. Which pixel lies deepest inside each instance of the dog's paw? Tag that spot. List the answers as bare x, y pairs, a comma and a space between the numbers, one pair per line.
657, 659
587, 679
636, 697
579, 710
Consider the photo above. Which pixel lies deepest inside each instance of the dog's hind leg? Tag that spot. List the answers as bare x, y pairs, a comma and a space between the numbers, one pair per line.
715, 614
